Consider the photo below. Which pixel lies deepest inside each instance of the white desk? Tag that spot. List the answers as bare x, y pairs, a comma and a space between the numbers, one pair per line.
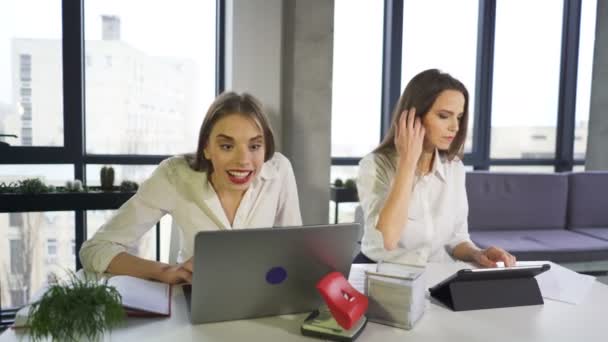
554, 321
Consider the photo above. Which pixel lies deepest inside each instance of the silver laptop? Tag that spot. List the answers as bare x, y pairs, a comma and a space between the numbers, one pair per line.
251, 273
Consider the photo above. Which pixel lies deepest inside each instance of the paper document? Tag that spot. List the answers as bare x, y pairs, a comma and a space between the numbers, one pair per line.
561, 284
145, 295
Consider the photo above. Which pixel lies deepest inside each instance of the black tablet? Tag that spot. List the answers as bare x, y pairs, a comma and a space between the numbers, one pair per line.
487, 288
493, 273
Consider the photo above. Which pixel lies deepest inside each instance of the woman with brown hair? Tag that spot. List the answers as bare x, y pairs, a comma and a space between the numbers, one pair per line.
412, 186
235, 180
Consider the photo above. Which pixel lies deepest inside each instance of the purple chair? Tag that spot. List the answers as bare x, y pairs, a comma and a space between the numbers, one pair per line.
588, 203
526, 214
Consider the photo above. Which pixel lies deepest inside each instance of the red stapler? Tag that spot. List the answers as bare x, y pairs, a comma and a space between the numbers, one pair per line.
345, 303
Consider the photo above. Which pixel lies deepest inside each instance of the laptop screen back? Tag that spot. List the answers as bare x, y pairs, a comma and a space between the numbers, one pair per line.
250, 273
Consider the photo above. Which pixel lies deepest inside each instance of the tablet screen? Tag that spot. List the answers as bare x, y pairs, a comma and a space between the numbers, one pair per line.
507, 268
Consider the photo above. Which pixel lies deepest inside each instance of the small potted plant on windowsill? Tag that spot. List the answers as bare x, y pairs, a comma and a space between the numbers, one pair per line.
344, 191
33, 195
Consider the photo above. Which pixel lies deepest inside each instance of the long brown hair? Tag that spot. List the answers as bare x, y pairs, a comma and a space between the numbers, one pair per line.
226, 104
420, 93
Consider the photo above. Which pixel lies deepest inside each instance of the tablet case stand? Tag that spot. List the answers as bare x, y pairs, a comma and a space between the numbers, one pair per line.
487, 294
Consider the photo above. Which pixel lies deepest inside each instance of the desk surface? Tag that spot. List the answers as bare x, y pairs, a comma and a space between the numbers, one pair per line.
554, 321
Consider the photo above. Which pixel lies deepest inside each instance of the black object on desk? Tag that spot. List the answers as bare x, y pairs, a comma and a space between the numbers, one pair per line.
490, 288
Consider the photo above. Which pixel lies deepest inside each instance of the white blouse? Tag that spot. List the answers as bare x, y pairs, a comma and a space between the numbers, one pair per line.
437, 214
187, 195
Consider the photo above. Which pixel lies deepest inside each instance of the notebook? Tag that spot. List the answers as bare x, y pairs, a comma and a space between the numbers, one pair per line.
140, 298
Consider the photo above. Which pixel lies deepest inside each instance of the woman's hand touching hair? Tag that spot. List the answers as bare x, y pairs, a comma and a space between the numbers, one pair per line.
409, 137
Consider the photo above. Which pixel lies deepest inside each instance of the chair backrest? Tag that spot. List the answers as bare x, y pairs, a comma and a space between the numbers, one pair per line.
505, 201
587, 199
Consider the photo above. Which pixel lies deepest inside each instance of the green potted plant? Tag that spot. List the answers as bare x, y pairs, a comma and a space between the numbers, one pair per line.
107, 178
344, 191
128, 186
81, 309
32, 186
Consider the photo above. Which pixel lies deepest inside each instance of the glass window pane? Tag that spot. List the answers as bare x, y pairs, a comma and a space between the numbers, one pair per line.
526, 78
578, 168
36, 247
31, 98
56, 175
145, 247
531, 169
136, 173
357, 77
150, 75
452, 50
346, 211
585, 69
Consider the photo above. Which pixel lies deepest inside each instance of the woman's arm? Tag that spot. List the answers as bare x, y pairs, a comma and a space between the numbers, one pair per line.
127, 264
393, 215
409, 136
107, 250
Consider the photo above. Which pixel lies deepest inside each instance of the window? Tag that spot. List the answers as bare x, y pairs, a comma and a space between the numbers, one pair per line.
55, 175
441, 34
585, 69
162, 75
18, 297
526, 78
51, 248
145, 247
16, 247
346, 210
32, 251
522, 169
136, 173
357, 77
30, 58
15, 220
73, 247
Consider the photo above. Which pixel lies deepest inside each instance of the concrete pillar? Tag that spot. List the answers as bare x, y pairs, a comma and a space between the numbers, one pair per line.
597, 142
281, 51
253, 53
307, 76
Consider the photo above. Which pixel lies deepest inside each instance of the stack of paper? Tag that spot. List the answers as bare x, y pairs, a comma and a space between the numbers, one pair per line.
396, 294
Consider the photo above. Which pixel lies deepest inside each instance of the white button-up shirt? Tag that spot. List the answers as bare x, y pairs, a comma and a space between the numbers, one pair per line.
188, 196
437, 213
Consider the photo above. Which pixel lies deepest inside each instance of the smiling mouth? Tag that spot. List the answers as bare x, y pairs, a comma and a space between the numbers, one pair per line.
239, 177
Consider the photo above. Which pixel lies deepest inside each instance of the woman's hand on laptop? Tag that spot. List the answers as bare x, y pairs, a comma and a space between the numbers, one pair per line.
177, 274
